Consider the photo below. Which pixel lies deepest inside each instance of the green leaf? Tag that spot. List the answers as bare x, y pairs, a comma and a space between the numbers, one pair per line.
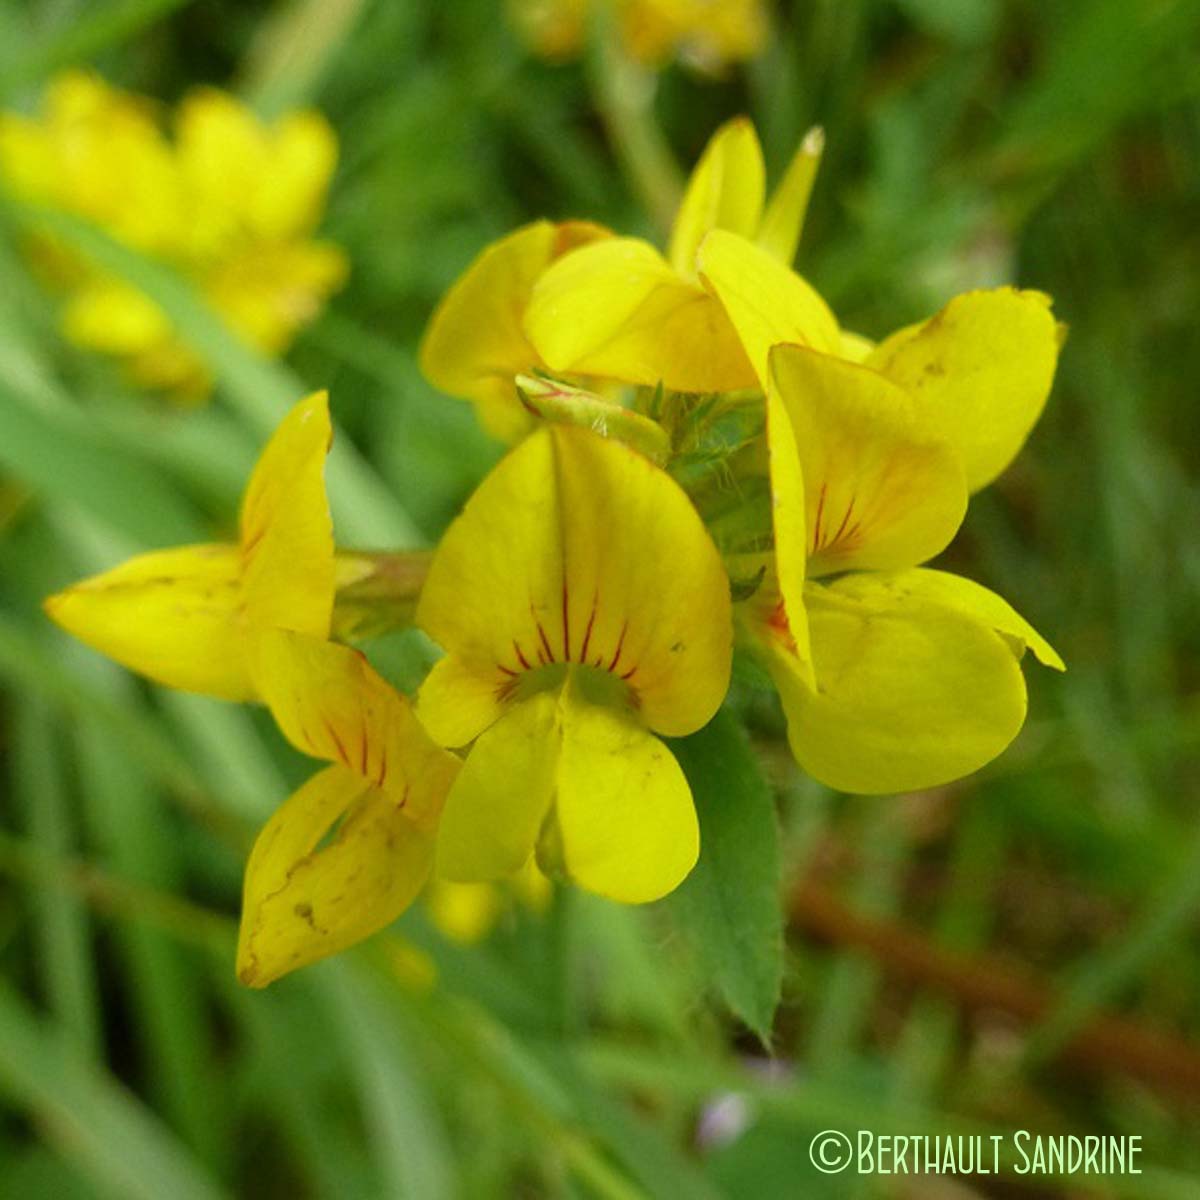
729, 907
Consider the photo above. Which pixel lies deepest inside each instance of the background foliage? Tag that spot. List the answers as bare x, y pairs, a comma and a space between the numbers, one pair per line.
955, 959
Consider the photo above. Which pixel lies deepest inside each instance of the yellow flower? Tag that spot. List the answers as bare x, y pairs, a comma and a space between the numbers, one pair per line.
618, 309
251, 621
893, 677
304, 900
707, 34
188, 617
583, 608
230, 203
468, 912
980, 370
474, 346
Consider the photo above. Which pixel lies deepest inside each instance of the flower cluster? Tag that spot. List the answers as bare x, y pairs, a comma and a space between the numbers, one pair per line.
707, 34
228, 201
702, 456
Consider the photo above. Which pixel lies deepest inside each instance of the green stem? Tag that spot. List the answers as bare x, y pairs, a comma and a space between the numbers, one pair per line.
623, 93
378, 592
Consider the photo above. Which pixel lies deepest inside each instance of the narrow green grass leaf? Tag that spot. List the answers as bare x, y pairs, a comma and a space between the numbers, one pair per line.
57, 455
64, 956
407, 1137
163, 984
261, 390
89, 1117
84, 36
729, 907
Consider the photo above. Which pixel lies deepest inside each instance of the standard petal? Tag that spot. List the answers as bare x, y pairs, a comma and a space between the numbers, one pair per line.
725, 191
881, 490
286, 530
779, 234
971, 599
301, 903
498, 802
767, 302
171, 615
910, 693
623, 807
576, 549
618, 310
982, 369
475, 344
330, 703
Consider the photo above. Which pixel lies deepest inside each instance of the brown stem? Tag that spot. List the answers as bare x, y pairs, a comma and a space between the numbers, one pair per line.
980, 982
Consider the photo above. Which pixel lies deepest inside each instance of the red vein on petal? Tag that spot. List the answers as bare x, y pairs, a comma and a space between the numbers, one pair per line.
816, 543
566, 624
587, 635
521, 657
545, 643
620, 642
842, 527
337, 741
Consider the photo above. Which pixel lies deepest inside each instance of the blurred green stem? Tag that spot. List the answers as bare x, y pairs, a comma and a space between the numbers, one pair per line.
378, 592
623, 93
108, 893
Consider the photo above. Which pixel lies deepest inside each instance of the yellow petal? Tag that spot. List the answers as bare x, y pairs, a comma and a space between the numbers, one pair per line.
971, 599
301, 903
475, 345
767, 302
617, 309
910, 693
725, 192
464, 912
330, 703
790, 527
171, 615
881, 491
268, 291
854, 347
110, 316
496, 806
286, 530
576, 549
982, 369
623, 807
291, 189
779, 234
458, 701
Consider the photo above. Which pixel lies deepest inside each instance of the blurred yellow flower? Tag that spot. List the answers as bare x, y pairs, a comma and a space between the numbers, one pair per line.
583, 608
706, 34
188, 616
468, 912
229, 201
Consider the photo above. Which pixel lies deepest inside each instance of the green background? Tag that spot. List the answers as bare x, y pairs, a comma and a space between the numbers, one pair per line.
580, 1052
